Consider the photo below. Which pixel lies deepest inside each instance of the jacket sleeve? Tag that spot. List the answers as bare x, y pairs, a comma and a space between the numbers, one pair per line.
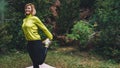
43, 28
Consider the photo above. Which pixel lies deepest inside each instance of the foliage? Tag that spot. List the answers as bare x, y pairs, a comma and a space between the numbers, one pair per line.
81, 32
5, 37
108, 17
68, 13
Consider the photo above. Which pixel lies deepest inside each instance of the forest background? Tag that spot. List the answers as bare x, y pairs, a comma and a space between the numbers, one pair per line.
91, 25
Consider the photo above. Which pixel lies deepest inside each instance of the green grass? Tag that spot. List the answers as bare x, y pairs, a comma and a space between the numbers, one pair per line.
15, 60
60, 58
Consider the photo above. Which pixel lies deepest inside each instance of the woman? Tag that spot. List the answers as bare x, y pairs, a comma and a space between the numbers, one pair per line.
37, 51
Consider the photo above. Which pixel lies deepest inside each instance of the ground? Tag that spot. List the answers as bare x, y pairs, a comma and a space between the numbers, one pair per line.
60, 57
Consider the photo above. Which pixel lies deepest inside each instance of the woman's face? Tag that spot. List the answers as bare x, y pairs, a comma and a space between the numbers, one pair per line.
28, 10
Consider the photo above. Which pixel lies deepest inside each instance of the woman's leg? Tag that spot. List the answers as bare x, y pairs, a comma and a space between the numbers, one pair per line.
30, 48
37, 52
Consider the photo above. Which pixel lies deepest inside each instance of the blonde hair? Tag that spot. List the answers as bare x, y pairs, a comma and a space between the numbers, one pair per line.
33, 12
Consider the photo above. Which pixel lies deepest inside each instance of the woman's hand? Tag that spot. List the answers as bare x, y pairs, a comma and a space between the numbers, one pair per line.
47, 42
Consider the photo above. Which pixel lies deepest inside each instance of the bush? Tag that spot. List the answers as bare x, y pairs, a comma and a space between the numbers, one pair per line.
5, 37
107, 16
81, 32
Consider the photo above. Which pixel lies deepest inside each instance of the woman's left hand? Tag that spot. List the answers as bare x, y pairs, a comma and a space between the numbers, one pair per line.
47, 42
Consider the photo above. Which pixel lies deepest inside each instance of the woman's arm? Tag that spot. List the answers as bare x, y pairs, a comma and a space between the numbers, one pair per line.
43, 28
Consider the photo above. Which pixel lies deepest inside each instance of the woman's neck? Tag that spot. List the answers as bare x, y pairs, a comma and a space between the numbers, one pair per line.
28, 15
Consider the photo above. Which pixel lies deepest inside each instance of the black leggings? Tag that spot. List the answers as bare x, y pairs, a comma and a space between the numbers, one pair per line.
37, 52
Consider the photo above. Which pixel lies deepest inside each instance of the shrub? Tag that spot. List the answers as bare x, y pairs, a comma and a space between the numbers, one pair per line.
5, 37
81, 32
107, 16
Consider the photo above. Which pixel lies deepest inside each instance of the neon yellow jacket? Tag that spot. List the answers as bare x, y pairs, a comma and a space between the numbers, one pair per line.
30, 28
